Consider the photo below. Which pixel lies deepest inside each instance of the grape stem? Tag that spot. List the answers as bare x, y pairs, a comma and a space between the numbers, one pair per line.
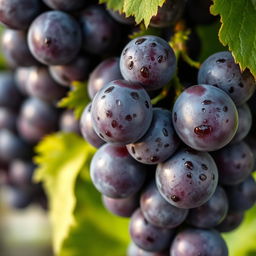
189, 61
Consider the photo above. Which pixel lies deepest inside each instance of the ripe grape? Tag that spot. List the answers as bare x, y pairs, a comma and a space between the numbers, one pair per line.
21, 76
68, 122
7, 119
66, 5
134, 250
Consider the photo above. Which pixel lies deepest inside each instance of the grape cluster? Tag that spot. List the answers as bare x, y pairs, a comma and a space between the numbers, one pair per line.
181, 175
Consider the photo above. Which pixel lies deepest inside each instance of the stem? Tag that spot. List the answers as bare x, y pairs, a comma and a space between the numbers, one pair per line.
191, 62
161, 95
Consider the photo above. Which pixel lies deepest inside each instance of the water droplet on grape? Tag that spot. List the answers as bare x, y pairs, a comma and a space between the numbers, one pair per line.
203, 130
144, 72
135, 95
202, 177
140, 41
110, 89
189, 165
175, 198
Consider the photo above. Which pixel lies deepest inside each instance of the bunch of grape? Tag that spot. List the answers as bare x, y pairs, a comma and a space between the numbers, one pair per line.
182, 175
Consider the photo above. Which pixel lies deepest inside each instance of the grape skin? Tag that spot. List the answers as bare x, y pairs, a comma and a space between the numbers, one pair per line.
21, 76
134, 250
188, 179
66, 5
69, 123
7, 119
205, 118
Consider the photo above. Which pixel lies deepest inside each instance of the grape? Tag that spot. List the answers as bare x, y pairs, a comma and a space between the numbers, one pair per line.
205, 118
134, 250
54, 38
76, 70
9, 90
121, 112
115, 173
195, 242
21, 76
234, 162
251, 142
123, 207
220, 70
121, 18
18, 14
15, 48
66, 5
7, 119
41, 85
148, 60
87, 129
95, 18
69, 123
158, 211
159, 142
211, 213
147, 236
168, 14
244, 124
188, 179
107, 71
231, 222
242, 196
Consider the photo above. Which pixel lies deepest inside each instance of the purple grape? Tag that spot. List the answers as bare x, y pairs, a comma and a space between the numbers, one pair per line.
242, 196
134, 250
195, 242
21, 76
76, 70
115, 173
18, 14
87, 129
69, 123
244, 123
220, 70
54, 38
211, 213
158, 211
10, 96
107, 71
66, 5
188, 179
121, 112
147, 236
123, 207
148, 60
121, 18
205, 118
234, 162
231, 222
100, 32
15, 49
41, 85
7, 119
168, 14
159, 142
251, 142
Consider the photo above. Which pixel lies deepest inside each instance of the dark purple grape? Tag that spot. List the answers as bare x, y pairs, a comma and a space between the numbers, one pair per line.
37, 119
21, 76
211, 213
147, 236
121, 112
100, 32
231, 222
123, 207
107, 71
54, 38
7, 119
205, 118
220, 70
66, 5
115, 173
41, 85
20, 173
69, 123
77, 70
195, 242
168, 14
87, 129
148, 60
234, 162
121, 17
251, 142
159, 142
242, 196
158, 211
244, 123
18, 14
134, 250
15, 48
10, 96
188, 179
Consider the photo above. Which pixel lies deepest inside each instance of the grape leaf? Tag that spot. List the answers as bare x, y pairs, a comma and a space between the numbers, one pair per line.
254, 3
77, 99
238, 30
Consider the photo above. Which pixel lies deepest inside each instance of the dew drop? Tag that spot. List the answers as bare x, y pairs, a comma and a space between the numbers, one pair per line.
189, 165
154, 159
203, 109
109, 114
202, 177
160, 58
165, 132
47, 41
128, 118
220, 60
203, 130
175, 198
144, 72
204, 167
225, 109
110, 89
153, 45
118, 102
140, 41
189, 175
133, 150
114, 123
207, 102
108, 133
130, 65
103, 97
135, 95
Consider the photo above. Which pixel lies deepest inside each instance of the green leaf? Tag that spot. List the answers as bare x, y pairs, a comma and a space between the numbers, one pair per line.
77, 99
254, 3
116, 5
238, 30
